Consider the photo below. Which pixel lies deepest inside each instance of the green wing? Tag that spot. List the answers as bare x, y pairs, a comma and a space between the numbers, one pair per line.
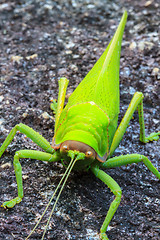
101, 84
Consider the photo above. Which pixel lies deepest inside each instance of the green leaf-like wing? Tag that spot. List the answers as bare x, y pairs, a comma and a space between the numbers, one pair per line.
101, 84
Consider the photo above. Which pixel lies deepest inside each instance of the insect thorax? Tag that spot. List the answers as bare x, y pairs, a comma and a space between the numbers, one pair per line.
86, 123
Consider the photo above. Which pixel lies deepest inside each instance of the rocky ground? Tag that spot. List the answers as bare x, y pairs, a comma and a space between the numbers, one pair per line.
41, 41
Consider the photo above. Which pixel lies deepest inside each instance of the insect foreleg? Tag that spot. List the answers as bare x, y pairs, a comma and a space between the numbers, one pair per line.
128, 159
63, 83
111, 183
53, 106
137, 102
51, 155
18, 170
30, 133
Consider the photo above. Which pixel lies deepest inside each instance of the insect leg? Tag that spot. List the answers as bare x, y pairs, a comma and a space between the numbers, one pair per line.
53, 106
128, 159
111, 183
63, 83
30, 133
18, 170
137, 102
152, 136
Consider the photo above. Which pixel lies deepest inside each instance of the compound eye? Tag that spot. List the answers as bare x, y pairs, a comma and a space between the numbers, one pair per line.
64, 148
89, 154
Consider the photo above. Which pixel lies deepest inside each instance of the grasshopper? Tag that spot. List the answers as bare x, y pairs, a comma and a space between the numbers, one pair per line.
86, 133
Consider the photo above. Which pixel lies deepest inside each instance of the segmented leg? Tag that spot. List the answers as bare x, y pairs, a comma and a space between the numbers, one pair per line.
63, 83
51, 155
53, 106
18, 170
137, 102
30, 133
128, 159
111, 183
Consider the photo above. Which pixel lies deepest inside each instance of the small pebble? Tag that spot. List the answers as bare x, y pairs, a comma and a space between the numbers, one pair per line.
155, 71
6, 165
133, 45
45, 115
74, 68
16, 59
32, 56
25, 115
1, 98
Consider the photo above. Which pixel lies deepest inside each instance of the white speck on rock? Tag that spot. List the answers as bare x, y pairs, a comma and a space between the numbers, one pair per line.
1, 98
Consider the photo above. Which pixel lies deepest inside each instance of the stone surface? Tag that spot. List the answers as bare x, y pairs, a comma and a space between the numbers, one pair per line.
41, 41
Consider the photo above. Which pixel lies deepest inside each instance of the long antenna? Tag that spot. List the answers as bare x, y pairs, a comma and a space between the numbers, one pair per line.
58, 196
50, 199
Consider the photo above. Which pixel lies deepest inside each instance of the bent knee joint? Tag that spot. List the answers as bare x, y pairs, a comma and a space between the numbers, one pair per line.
16, 163
118, 195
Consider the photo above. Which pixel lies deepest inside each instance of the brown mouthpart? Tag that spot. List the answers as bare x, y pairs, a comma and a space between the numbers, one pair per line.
78, 146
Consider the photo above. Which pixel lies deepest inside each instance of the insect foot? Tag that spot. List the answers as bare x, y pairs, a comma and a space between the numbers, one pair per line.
153, 137
11, 203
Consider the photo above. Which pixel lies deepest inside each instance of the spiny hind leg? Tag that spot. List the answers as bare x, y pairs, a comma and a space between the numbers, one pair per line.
136, 103
111, 183
18, 170
154, 136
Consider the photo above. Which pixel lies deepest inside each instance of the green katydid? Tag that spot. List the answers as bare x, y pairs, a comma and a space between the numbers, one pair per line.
86, 133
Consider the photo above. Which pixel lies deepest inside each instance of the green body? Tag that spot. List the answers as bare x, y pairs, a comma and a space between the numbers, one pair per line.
89, 120
91, 114
87, 123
